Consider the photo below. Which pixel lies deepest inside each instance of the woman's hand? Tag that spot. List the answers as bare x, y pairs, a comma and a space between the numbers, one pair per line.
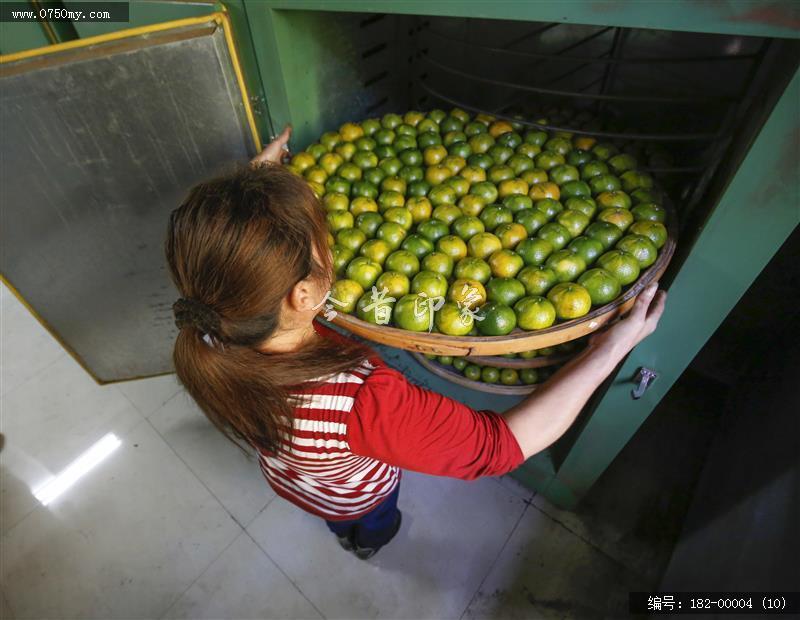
640, 323
277, 151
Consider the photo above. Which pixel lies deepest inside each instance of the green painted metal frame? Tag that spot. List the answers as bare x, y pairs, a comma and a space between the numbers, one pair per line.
711, 280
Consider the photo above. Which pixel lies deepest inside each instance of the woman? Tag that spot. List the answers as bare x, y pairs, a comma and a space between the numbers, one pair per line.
331, 423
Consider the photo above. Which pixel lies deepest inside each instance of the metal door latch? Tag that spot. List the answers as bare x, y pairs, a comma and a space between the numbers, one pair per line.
643, 379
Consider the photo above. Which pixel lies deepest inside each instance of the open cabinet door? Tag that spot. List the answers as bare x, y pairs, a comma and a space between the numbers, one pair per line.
101, 139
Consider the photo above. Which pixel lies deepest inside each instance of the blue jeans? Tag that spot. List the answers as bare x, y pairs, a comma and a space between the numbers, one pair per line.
375, 528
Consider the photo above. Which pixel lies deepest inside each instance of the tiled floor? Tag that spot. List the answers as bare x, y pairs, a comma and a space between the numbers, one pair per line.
176, 522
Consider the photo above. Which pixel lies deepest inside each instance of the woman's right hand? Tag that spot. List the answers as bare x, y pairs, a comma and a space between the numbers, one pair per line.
638, 325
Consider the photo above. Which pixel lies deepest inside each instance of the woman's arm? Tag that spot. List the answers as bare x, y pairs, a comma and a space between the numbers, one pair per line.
543, 417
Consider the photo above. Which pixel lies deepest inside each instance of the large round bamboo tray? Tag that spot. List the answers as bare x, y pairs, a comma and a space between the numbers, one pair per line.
518, 340
458, 378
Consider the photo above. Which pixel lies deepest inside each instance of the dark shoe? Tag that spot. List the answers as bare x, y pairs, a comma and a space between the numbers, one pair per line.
365, 553
346, 542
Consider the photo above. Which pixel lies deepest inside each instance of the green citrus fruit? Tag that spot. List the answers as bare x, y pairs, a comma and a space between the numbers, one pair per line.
531, 219
392, 233
413, 312
438, 262
495, 319
650, 212
602, 286
505, 290
352, 238
655, 231
483, 245
509, 376
587, 248
468, 293
555, 233
453, 246
574, 221
467, 226
472, 372
364, 271
529, 376
418, 245
432, 284
473, 268
368, 223
537, 280
566, 264
534, 312
490, 374
640, 247
620, 264
402, 261
622, 218
433, 230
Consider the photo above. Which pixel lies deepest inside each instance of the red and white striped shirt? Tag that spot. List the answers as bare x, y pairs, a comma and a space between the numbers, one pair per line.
352, 434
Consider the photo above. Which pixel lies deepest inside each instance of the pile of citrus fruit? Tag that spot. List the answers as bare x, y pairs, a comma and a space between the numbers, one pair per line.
491, 374
476, 226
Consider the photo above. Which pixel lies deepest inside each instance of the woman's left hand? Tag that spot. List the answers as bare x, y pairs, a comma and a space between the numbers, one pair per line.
277, 151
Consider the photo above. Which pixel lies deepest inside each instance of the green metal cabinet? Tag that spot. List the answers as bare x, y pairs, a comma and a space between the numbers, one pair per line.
295, 42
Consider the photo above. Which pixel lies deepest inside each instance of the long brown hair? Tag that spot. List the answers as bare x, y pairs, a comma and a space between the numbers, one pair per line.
235, 248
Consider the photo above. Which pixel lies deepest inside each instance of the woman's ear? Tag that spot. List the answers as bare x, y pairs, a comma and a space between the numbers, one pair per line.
303, 296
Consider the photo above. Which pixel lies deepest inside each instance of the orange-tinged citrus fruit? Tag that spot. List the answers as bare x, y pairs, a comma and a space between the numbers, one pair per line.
571, 301
396, 284
420, 208
454, 163
433, 155
620, 264
640, 247
303, 160
453, 246
621, 218
510, 234
452, 320
484, 245
505, 263
602, 286
468, 293
500, 127
584, 143
361, 205
540, 191
437, 174
473, 174
347, 292
534, 312
511, 187
613, 199
350, 132
330, 162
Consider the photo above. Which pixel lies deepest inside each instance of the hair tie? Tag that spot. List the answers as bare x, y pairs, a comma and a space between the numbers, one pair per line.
193, 313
